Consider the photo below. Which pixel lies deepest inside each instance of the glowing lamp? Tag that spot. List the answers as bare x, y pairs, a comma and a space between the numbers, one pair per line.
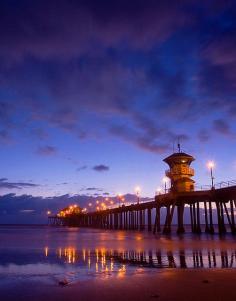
210, 164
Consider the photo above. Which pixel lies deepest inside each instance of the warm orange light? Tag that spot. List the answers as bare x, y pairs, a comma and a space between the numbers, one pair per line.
97, 208
211, 164
111, 202
97, 202
48, 212
165, 180
75, 206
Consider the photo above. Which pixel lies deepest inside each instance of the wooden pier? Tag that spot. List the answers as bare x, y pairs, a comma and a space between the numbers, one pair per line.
137, 216
182, 195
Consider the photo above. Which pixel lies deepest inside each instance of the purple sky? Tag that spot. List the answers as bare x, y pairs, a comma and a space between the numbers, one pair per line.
93, 94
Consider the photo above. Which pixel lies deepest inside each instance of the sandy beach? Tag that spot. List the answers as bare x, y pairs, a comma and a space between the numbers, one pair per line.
166, 285
114, 265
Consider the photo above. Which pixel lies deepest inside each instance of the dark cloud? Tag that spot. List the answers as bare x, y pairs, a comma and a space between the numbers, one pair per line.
101, 168
47, 150
221, 126
203, 135
28, 209
74, 28
143, 71
92, 189
13, 208
142, 140
5, 184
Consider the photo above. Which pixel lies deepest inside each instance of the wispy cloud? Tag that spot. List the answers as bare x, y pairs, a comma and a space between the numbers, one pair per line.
5, 184
47, 150
81, 168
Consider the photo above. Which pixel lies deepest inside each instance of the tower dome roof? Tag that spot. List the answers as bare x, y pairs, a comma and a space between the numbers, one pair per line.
179, 156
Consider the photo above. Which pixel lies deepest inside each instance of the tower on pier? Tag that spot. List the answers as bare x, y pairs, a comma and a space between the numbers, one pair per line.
180, 172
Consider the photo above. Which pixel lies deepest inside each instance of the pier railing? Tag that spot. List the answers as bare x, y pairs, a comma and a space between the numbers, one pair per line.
218, 185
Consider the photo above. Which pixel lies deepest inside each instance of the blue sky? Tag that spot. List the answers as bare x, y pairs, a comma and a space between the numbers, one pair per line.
95, 93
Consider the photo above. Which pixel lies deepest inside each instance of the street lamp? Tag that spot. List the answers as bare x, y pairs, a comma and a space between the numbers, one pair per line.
211, 165
119, 198
158, 191
165, 180
137, 190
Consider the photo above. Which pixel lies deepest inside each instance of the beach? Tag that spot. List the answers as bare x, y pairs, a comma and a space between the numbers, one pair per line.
43, 263
164, 285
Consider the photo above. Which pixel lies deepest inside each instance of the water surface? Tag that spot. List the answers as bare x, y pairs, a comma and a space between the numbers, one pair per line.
54, 256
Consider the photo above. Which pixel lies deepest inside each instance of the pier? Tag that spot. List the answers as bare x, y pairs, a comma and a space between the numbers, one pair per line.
181, 196
136, 216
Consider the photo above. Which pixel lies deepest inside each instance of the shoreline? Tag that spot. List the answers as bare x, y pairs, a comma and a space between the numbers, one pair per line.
165, 284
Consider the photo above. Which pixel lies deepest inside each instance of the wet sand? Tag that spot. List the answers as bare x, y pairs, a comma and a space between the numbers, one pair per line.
164, 285
33, 260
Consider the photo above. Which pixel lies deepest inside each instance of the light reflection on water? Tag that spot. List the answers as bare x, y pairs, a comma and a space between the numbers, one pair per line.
104, 260
51, 255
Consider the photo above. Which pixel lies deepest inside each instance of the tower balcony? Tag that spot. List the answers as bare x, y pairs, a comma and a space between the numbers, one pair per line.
180, 171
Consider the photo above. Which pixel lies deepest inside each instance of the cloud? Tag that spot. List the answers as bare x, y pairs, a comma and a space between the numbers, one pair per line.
39, 133
101, 168
83, 167
203, 135
143, 72
28, 209
143, 140
93, 188
5, 184
47, 150
75, 27
221, 126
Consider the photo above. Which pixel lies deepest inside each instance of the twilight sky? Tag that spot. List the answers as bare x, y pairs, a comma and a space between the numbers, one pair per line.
93, 94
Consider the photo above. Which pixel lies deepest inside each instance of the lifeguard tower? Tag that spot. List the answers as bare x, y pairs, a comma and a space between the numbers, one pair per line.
180, 172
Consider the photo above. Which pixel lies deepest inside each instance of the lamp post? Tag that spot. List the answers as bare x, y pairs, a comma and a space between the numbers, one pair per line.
211, 165
137, 190
165, 180
158, 191
119, 198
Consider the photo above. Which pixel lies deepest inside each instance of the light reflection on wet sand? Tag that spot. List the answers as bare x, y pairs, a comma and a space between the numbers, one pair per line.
51, 255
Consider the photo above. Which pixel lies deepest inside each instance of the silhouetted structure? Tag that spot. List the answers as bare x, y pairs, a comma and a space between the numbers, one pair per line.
180, 195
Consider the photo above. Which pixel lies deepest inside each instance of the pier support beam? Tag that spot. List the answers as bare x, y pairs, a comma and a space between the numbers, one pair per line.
149, 219
232, 216
211, 219
198, 229
180, 214
207, 228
